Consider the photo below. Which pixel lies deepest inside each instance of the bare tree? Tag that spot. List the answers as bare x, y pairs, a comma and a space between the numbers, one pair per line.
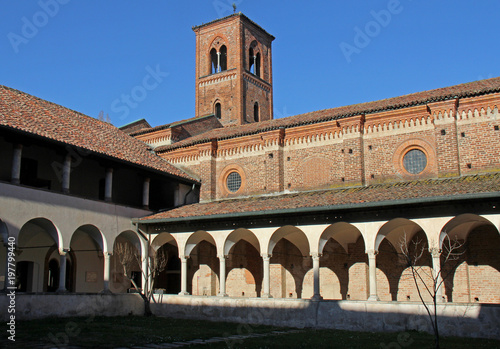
430, 283
129, 258
104, 118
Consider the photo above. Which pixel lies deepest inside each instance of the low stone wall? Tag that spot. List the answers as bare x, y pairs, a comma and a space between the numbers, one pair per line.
469, 320
37, 306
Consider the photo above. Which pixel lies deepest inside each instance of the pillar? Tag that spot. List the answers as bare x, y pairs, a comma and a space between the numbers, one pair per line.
317, 293
66, 174
218, 63
108, 187
6, 280
222, 276
267, 271
16, 164
436, 271
146, 275
107, 268
184, 291
62, 270
145, 193
372, 275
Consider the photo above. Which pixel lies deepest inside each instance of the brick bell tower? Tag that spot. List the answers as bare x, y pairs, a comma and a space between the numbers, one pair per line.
234, 71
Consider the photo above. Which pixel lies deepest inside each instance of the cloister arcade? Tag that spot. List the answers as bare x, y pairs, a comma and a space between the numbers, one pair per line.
343, 261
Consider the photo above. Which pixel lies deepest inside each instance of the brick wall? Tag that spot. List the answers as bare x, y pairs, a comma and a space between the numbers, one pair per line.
358, 150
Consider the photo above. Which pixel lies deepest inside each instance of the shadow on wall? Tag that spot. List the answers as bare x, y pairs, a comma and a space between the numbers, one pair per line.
469, 320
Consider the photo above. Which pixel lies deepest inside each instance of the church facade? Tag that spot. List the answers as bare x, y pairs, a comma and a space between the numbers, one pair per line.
318, 206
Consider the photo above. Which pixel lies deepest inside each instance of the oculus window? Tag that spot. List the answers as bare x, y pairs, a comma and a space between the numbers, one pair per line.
233, 182
415, 161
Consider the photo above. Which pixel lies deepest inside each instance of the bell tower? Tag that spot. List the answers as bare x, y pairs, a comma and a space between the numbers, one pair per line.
234, 71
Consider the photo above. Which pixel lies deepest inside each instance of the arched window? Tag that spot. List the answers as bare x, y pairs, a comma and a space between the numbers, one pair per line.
213, 61
256, 112
223, 58
251, 61
218, 111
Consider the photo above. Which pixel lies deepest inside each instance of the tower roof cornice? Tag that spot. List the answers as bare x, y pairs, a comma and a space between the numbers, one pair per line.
241, 16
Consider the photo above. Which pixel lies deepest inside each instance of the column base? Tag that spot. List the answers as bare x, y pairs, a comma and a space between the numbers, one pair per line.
316, 298
266, 295
222, 295
183, 293
62, 291
104, 292
373, 298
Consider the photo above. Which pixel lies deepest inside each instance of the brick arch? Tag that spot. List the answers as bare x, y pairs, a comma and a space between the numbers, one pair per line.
410, 144
460, 226
217, 44
197, 237
244, 269
342, 232
240, 234
317, 172
223, 177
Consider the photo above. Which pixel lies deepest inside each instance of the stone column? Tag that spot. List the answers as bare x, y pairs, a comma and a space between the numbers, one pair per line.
108, 187
372, 267
145, 273
6, 280
62, 271
218, 63
222, 276
16, 164
107, 269
267, 271
317, 293
184, 291
66, 174
436, 271
145, 193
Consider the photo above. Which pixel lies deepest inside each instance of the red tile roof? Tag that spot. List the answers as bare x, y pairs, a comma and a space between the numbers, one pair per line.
379, 194
458, 91
23, 112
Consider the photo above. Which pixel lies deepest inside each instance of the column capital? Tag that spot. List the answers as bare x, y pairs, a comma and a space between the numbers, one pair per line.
435, 252
266, 256
63, 251
183, 258
222, 256
107, 254
316, 255
371, 253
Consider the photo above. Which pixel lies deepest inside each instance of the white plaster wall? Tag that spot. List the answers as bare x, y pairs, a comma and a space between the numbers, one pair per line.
463, 320
20, 204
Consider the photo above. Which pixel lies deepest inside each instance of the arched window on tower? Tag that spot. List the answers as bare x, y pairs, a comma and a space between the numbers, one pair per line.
251, 61
223, 58
256, 112
218, 110
213, 61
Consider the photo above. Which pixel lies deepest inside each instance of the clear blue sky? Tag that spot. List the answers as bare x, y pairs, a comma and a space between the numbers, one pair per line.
86, 54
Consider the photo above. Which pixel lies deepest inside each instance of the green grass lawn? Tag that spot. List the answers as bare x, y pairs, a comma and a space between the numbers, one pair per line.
112, 332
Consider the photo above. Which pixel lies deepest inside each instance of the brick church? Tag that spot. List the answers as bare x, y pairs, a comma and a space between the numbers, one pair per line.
313, 207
